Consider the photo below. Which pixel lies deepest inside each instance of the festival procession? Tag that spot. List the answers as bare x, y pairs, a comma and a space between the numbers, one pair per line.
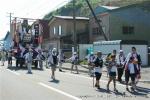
101, 53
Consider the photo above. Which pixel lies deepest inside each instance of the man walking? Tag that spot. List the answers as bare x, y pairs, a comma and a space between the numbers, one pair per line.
40, 58
53, 62
10, 58
28, 58
61, 59
120, 64
90, 63
3, 58
74, 61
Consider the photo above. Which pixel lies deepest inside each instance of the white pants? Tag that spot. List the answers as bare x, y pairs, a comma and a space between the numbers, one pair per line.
29, 65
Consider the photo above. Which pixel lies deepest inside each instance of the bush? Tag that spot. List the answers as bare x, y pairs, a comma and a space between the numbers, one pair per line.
83, 62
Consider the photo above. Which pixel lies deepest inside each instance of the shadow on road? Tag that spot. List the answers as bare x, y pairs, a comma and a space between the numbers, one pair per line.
55, 81
141, 91
102, 90
21, 68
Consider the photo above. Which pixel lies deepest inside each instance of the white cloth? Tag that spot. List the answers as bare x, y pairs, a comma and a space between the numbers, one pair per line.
131, 68
120, 59
74, 57
131, 55
113, 69
98, 69
28, 57
91, 59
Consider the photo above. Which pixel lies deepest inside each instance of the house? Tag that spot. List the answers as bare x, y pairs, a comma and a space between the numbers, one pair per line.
124, 23
61, 31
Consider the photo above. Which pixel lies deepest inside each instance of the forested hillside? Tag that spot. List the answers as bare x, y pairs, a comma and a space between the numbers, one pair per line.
82, 8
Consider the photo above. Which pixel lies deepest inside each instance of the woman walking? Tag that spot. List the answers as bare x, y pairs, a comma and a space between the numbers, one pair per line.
112, 73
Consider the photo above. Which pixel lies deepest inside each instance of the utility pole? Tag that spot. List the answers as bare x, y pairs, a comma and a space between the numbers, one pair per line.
10, 16
97, 21
74, 27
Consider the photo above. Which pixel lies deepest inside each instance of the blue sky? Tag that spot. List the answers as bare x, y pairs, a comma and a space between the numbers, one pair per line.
25, 9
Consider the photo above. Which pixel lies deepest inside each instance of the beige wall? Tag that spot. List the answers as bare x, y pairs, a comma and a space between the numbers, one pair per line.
67, 28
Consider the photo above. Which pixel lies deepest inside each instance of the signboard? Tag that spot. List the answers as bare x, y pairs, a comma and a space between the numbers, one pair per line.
27, 38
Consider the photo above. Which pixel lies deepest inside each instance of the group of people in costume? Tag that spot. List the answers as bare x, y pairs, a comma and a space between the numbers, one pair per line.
116, 64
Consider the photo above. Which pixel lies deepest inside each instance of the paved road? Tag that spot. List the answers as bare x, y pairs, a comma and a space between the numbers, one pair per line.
18, 85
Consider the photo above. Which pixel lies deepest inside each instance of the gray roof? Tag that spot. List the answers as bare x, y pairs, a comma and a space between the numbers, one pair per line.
71, 17
110, 7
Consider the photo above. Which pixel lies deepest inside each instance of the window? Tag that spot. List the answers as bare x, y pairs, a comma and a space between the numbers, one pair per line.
128, 30
60, 30
54, 30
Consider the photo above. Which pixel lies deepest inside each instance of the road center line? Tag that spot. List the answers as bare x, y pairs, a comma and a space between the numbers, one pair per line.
59, 91
13, 72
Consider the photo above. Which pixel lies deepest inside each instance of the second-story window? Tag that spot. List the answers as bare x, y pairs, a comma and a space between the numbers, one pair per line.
128, 30
60, 30
54, 30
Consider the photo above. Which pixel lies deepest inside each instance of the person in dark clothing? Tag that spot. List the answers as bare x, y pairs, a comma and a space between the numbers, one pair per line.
53, 61
9, 58
98, 64
130, 71
120, 64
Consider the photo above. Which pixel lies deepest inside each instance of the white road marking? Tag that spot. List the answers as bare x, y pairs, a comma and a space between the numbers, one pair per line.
13, 72
59, 91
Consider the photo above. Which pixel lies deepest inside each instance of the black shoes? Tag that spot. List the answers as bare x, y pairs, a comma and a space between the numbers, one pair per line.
29, 72
60, 70
115, 90
127, 89
98, 87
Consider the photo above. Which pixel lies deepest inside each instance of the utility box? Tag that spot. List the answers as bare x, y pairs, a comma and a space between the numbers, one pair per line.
107, 47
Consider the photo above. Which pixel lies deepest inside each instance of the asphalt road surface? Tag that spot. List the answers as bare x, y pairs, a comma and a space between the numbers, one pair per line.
16, 84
